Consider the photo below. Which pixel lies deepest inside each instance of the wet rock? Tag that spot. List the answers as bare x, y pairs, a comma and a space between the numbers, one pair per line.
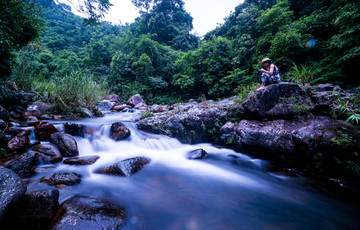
125, 167
114, 98
135, 100
84, 112
16, 112
4, 114
294, 142
197, 154
189, 122
34, 143
33, 110
21, 164
156, 109
43, 169
82, 212
66, 178
97, 112
118, 131
19, 143
83, 160
48, 153
65, 143
31, 119
3, 140
36, 209
106, 105
75, 129
284, 100
12, 189
2, 124
43, 130
119, 108
326, 87
45, 117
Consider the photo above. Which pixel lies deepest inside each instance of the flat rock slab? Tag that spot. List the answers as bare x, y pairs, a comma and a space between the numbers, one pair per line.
126, 167
82, 212
12, 189
84, 160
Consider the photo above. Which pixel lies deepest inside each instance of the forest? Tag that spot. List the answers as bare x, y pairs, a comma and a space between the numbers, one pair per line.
48, 49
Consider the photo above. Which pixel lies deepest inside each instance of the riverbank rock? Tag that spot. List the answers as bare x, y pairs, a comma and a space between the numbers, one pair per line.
35, 210
22, 164
43, 130
189, 122
118, 131
284, 100
75, 129
48, 153
120, 108
82, 212
197, 154
4, 114
83, 160
136, 100
84, 112
157, 108
295, 143
62, 178
12, 189
19, 143
114, 98
33, 110
65, 143
16, 112
125, 167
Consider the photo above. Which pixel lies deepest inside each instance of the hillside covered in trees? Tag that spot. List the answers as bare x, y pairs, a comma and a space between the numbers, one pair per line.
159, 58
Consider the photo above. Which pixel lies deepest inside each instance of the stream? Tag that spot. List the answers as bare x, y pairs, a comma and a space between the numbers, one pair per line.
227, 190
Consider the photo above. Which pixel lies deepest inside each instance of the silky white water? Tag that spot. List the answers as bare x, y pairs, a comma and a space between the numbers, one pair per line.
227, 190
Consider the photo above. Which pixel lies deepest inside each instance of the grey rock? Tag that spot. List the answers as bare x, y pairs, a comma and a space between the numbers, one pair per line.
65, 143
125, 167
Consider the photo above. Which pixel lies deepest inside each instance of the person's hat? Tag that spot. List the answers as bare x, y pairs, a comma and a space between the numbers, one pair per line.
265, 60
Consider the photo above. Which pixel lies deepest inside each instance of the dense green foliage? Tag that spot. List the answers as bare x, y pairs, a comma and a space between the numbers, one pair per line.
158, 57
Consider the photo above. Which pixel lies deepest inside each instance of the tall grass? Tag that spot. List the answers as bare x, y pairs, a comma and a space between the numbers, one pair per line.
302, 74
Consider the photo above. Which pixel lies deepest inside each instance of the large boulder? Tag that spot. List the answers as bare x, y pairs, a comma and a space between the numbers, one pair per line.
19, 143
197, 154
43, 130
295, 143
12, 189
82, 212
48, 153
4, 114
284, 100
65, 143
16, 112
75, 129
35, 209
125, 167
83, 160
189, 122
135, 100
22, 164
63, 178
118, 131
114, 98
84, 112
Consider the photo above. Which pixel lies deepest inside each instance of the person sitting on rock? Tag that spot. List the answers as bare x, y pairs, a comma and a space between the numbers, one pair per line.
269, 76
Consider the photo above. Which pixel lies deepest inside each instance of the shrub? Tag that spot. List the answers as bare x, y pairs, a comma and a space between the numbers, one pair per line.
302, 75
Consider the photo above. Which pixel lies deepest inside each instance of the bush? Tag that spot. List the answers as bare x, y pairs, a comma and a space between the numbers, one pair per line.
302, 75
78, 89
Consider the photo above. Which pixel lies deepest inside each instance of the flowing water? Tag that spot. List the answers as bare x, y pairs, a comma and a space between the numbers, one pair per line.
220, 192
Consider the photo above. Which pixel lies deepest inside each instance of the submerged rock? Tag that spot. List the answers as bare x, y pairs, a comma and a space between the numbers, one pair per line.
43, 130
83, 160
12, 189
82, 212
125, 167
66, 144
118, 131
197, 154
